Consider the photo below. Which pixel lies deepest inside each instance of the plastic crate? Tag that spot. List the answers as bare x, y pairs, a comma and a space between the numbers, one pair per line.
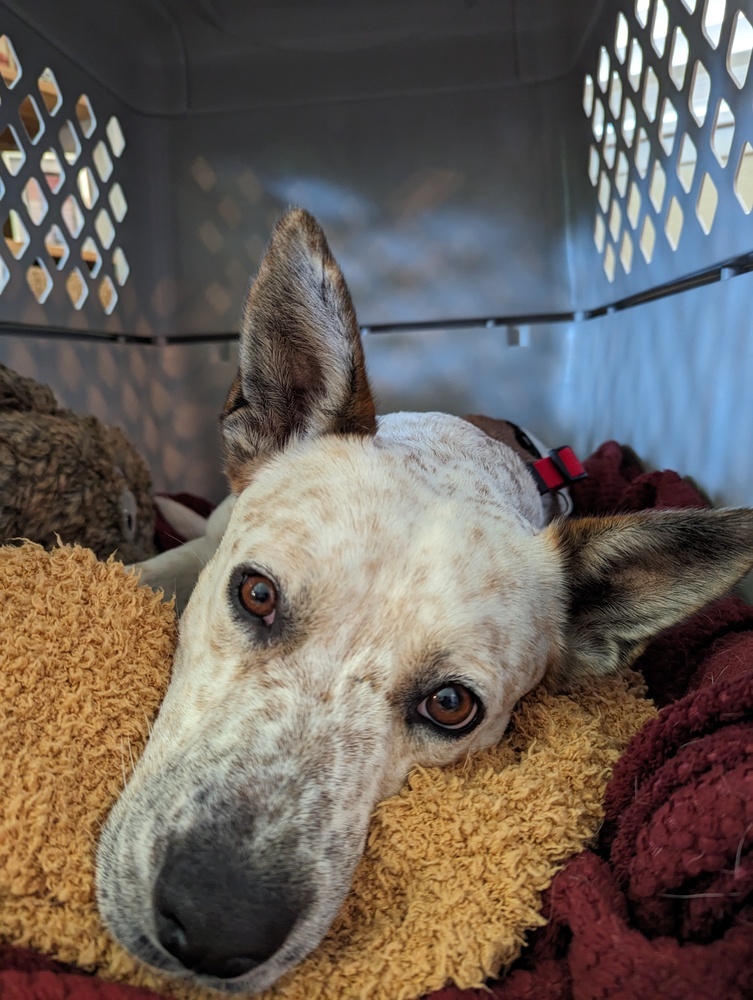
542, 209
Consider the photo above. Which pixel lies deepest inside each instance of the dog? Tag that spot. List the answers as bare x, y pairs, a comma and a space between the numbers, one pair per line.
380, 595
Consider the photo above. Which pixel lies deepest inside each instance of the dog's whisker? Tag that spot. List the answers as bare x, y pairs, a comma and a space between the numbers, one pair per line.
130, 754
122, 763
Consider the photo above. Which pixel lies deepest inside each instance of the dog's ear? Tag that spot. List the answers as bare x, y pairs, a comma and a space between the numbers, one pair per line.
631, 576
302, 371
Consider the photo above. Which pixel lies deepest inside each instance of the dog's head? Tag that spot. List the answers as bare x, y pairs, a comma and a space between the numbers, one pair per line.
384, 594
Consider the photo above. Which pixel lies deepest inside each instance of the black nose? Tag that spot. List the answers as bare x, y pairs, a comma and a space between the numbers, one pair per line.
215, 914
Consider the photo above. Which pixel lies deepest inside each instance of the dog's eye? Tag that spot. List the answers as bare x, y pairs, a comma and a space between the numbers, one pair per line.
258, 596
450, 707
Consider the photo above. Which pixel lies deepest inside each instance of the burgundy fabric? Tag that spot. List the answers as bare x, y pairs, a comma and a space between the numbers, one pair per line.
662, 907
27, 976
165, 535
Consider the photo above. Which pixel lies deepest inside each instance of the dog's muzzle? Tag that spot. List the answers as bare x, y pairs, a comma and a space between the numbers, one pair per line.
215, 913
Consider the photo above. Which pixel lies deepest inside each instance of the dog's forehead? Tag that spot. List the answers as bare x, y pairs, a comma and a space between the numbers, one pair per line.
382, 529
420, 470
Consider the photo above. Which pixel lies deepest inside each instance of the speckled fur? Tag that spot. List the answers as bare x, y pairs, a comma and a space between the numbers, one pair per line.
406, 555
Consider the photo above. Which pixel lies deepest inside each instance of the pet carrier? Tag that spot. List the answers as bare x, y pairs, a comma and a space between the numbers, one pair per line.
539, 207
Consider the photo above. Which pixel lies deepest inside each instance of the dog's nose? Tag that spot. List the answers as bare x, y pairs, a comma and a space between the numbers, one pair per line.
215, 915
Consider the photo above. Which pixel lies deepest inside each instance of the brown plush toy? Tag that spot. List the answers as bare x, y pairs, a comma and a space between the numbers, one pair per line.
455, 864
69, 476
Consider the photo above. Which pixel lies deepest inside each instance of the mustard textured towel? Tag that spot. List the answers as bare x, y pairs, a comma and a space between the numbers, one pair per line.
455, 864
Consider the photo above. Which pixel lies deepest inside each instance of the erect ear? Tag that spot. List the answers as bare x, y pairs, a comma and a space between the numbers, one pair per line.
302, 370
631, 576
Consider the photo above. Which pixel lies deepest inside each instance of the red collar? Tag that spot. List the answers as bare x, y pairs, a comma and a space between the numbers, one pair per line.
557, 469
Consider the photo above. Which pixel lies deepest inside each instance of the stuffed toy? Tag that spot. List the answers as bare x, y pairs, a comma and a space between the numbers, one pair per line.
67, 476
455, 864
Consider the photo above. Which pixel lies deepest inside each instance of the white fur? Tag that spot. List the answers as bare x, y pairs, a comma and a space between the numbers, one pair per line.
406, 560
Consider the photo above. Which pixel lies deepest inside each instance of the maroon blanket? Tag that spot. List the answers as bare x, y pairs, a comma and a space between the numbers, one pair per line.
663, 905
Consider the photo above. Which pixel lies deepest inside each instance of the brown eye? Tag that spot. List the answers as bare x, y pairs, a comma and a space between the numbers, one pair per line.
450, 707
258, 596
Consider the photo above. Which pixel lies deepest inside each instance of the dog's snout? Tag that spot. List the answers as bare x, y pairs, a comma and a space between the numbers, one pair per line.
217, 916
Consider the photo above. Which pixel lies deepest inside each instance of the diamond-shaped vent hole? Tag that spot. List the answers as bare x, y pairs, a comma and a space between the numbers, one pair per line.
87, 187
597, 122
31, 118
69, 142
615, 220
700, 89
108, 295
621, 37
85, 115
634, 205
713, 19
118, 204
600, 233
686, 162
602, 72
722, 132
588, 94
52, 169
610, 145
605, 190
658, 186
642, 152
650, 94
689, 5
76, 288
678, 58
16, 234
635, 65
626, 252
39, 281
91, 256
115, 136
744, 178
49, 91
120, 266
10, 67
11, 152
102, 161
708, 199
740, 49
621, 174
667, 126
615, 95
34, 200
609, 262
673, 223
628, 123
648, 239
56, 246
72, 216
641, 11
104, 228
593, 165
659, 27
4, 275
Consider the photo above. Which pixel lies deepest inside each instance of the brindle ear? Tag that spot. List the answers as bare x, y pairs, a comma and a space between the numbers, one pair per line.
302, 370
631, 576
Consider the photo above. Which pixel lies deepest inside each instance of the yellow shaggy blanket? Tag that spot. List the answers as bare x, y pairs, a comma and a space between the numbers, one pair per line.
456, 862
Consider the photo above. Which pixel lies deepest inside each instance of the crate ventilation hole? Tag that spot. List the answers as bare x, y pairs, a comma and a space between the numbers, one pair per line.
624, 156
69, 196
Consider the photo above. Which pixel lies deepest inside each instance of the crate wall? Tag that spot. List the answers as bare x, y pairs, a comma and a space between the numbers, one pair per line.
555, 226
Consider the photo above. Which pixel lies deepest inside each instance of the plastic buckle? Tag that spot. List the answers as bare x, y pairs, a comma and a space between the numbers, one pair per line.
558, 469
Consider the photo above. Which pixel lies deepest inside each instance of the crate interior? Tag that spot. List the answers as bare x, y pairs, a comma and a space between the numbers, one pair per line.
542, 210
